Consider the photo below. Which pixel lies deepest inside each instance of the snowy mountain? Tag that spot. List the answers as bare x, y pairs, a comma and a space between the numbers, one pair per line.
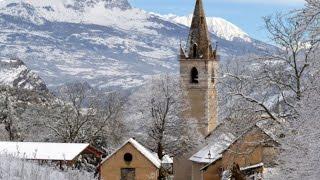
14, 73
104, 42
218, 26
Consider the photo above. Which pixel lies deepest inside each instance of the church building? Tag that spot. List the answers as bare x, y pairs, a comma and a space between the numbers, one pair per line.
199, 64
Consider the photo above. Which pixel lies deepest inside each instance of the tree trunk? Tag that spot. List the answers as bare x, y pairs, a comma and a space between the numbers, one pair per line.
162, 173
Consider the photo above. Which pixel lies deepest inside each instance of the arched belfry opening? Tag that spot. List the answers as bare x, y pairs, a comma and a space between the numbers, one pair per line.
194, 75
195, 49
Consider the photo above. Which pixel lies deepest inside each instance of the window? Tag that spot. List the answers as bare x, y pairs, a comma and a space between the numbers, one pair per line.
195, 50
127, 157
194, 75
128, 174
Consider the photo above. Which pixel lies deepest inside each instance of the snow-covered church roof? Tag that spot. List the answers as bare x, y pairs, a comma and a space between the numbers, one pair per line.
213, 150
42, 151
222, 137
143, 150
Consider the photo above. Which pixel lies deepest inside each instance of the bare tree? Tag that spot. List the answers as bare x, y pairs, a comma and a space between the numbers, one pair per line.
274, 82
247, 91
300, 156
85, 115
310, 18
7, 115
157, 110
296, 49
16, 111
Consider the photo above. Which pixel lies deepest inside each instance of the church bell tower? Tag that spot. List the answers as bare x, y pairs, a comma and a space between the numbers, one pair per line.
198, 69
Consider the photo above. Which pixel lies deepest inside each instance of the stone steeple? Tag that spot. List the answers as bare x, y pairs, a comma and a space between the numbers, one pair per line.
198, 70
199, 66
199, 45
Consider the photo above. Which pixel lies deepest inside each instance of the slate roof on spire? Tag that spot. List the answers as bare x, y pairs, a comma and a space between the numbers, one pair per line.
199, 38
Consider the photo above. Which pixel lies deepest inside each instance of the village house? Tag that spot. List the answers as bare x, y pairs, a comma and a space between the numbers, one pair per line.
252, 151
132, 161
61, 154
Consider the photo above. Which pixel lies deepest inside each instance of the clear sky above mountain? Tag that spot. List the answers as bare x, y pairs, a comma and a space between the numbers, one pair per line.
247, 14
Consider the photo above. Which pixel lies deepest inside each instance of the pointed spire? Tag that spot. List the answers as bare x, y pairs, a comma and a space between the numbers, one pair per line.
199, 44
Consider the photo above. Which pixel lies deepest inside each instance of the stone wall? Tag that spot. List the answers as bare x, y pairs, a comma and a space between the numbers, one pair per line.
202, 96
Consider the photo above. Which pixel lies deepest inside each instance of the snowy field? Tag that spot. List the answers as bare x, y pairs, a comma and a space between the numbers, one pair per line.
17, 169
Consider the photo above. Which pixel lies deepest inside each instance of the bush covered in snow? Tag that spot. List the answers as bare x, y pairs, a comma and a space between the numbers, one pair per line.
17, 169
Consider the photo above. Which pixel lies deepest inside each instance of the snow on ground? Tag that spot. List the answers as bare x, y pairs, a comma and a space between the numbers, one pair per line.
66, 11
270, 173
9, 75
18, 169
124, 20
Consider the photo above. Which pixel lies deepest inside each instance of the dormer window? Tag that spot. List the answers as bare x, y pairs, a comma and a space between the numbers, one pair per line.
194, 76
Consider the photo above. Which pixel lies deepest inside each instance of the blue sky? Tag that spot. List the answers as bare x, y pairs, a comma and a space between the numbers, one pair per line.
247, 14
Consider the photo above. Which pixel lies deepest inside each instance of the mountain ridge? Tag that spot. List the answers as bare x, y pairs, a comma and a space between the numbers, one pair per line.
216, 25
16, 74
107, 47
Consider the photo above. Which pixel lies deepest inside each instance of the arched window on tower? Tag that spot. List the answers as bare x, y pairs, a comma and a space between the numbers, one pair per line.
195, 47
194, 75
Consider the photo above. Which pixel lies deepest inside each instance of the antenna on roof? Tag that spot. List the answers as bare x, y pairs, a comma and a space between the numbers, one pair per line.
209, 154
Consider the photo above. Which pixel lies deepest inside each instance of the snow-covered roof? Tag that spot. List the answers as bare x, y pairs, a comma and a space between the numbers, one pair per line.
221, 139
271, 128
144, 151
213, 150
252, 166
42, 151
257, 127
